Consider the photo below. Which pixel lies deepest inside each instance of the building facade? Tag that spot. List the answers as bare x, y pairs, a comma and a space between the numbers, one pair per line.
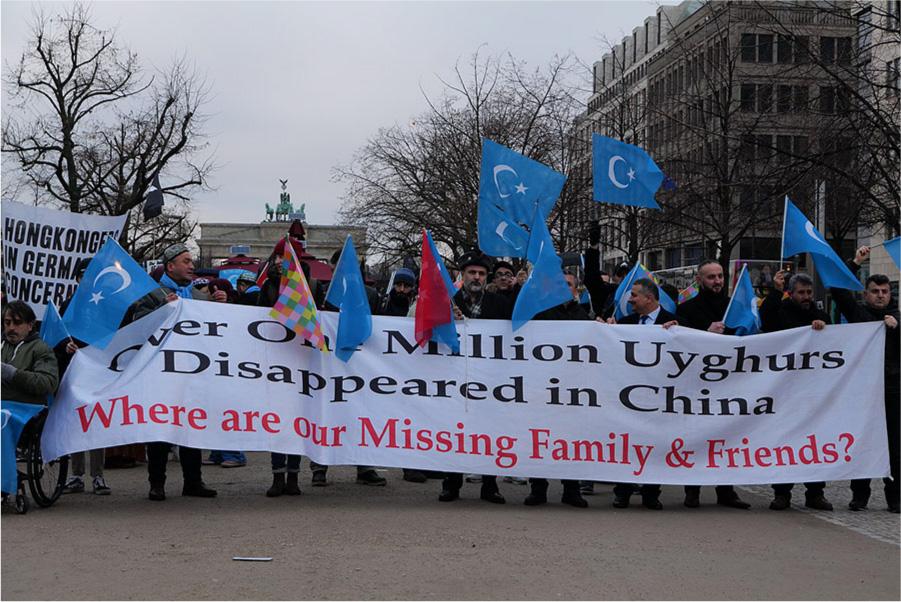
731, 99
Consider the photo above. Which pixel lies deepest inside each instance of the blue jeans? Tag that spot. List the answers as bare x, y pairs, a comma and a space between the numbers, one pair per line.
279, 462
219, 456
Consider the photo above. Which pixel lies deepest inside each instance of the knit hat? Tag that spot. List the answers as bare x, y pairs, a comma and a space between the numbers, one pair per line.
405, 275
173, 251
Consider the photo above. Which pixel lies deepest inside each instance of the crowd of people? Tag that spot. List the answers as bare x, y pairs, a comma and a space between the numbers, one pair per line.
488, 290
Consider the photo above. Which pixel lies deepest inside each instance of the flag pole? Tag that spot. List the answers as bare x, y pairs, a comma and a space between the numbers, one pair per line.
784, 216
732, 298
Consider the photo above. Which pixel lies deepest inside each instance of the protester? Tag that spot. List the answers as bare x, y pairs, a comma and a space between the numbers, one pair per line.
29, 369
705, 311
504, 282
878, 306
401, 295
778, 314
64, 351
571, 310
646, 310
473, 301
175, 283
248, 291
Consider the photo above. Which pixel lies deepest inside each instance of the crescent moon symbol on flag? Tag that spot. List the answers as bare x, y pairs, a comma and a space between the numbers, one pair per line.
500, 169
115, 269
813, 233
611, 173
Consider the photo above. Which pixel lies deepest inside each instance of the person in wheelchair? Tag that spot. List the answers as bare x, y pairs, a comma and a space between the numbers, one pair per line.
29, 372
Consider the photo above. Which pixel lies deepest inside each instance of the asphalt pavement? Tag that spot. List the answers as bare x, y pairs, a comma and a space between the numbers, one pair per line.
350, 541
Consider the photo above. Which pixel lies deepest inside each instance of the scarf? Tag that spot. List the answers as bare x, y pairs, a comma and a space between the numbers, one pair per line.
182, 291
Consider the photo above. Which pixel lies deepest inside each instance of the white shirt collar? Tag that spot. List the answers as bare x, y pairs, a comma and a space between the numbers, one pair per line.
652, 317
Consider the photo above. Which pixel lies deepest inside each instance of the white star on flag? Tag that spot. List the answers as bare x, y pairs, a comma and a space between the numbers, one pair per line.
96, 298
520, 188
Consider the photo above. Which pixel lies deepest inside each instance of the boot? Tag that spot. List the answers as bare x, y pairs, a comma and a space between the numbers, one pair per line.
573, 497
278, 484
538, 493
291, 486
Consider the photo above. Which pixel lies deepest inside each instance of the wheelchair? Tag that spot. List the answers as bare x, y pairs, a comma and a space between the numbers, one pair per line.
45, 480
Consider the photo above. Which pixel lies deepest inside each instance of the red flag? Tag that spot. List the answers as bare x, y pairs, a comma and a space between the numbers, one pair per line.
433, 306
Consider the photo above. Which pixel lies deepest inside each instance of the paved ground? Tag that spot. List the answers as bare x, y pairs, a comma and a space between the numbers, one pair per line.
351, 541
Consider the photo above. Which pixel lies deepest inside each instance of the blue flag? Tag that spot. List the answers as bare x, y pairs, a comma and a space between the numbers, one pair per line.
112, 282
742, 314
621, 296
348, 294
52, 328
623, 174
512, 189
893, 248
799, 236
13, 418
546, 286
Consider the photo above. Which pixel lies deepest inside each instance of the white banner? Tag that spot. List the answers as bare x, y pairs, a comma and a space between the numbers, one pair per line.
41, 249
578, 400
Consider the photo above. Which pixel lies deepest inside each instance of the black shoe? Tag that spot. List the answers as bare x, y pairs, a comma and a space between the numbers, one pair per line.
692, 499
894, 507
586, 488
818, 502
414, 476
857, 504
733, 501
291, 486
651, 503
157, 493
621, 501
197, 489
534, 499
371, 477
492, 496
278, 485
574, 499
781, 502
449, 495
318, 479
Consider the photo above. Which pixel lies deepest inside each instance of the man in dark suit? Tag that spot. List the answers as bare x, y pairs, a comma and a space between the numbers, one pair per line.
645, 301
705, 311
473, 301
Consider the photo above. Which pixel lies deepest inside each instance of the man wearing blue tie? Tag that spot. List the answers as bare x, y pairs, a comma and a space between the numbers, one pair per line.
645, 301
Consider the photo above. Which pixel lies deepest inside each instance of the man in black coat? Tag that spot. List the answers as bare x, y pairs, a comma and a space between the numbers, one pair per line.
878, 306
645, 301
571, 310
778, 314
473, 301
504, 281
705, 311
601, 291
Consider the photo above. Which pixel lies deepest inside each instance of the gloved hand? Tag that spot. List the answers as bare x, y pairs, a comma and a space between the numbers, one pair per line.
9, 371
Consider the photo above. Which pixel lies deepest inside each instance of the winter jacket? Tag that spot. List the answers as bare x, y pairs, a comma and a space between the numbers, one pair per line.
37, 374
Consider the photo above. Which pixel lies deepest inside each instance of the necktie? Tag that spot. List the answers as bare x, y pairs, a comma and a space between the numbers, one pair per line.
644, 319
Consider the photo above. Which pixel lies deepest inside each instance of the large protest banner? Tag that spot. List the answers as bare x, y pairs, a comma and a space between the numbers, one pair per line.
41, 249
578, 400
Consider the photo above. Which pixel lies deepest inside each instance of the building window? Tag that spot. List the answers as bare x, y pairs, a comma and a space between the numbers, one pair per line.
783, 99
784, 149
634, 46
764, 98
748, 98
864, 33
827, 50
827, 99
659, 25
892, 13
748, 48
892, 76
756, 48
835, 50
802, 49
645, 37
784, 49
802, 99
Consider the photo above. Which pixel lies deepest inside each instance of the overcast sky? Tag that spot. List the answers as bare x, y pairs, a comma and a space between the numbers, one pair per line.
298, 87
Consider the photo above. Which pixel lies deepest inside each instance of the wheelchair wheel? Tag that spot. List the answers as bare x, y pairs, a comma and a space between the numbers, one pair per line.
21, 500
46, 480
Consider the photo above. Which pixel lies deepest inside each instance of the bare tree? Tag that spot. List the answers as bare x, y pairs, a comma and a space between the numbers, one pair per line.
427, 174
90, 132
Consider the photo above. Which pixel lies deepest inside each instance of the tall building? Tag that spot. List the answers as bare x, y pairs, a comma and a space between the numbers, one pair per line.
730, 98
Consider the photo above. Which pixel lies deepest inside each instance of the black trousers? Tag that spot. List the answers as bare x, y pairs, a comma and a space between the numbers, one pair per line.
541, 485
722, 491
813, 489
648, 492
453, 481
861, 487
158, 456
